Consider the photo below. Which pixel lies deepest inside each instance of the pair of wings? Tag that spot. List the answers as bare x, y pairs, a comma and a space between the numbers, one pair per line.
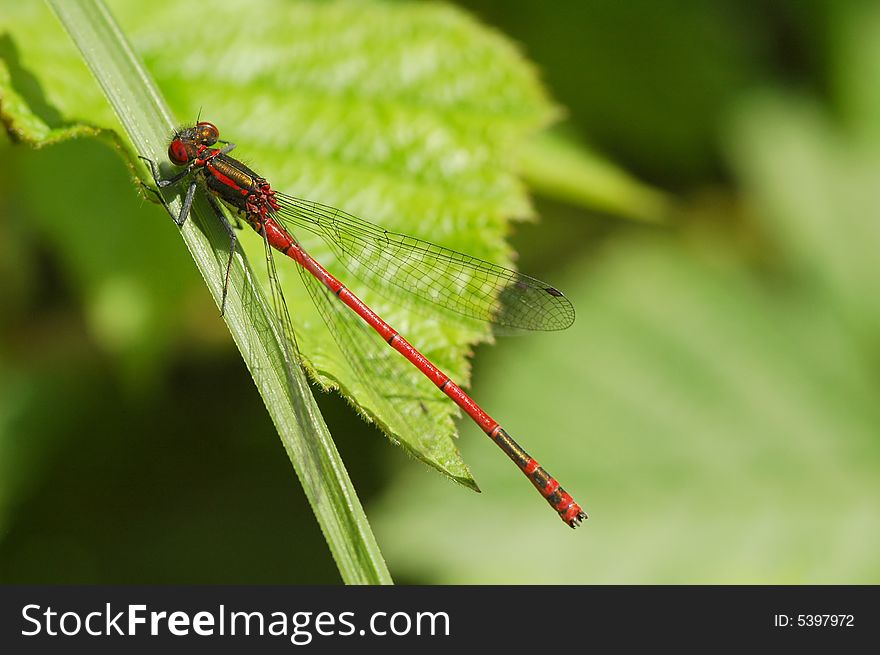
419, 274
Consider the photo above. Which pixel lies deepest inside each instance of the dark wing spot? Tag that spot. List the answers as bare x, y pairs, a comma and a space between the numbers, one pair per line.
553, 292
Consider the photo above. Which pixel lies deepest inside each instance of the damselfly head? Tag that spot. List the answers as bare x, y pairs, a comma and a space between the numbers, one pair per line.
185, 143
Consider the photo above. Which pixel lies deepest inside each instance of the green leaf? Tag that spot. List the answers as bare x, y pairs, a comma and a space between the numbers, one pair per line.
405, 114
401, 114
408, 115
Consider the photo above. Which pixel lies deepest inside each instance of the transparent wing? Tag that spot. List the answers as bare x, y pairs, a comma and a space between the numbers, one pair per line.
409, 269
401, 393
279, 306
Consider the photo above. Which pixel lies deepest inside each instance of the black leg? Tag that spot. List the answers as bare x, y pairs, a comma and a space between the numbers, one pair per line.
180, 218
233, 240
187, 204
154, 169
229, 147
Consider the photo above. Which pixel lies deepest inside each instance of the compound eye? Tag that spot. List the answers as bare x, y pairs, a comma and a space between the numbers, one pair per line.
177, 153
208, 133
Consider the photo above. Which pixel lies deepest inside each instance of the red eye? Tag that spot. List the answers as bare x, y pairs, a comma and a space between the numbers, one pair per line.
177, 153
208, 133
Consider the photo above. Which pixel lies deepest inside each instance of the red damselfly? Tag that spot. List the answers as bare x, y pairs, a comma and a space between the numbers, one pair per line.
402, 265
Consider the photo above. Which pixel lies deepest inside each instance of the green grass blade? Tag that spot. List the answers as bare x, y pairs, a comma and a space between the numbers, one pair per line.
147, 121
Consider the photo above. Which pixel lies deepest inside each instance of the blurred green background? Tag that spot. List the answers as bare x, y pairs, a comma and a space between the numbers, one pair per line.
714, 408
